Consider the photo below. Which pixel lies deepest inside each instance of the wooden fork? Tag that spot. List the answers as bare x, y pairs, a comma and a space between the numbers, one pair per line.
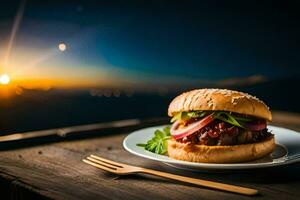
123, 169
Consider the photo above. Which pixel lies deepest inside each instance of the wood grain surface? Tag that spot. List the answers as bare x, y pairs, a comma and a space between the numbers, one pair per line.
55, 171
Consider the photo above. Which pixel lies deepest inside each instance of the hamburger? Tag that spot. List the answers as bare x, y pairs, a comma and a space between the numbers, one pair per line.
219, 126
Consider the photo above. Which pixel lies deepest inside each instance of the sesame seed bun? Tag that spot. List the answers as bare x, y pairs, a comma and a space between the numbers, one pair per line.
220, 154
220, 99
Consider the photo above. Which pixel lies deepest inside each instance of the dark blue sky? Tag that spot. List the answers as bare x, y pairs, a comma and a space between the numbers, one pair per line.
158, 39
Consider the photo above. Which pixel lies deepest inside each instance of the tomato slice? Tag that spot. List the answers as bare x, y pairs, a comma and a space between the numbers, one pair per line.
191, 128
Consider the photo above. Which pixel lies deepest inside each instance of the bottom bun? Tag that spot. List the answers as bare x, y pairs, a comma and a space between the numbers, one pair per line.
220, 154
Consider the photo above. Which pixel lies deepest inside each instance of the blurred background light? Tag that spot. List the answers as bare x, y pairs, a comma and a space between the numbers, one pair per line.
62, 46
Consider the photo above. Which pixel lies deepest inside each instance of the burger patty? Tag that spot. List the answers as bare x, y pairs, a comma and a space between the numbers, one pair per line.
220, 133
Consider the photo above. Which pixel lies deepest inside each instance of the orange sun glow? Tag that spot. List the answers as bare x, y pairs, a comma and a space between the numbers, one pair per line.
4, 79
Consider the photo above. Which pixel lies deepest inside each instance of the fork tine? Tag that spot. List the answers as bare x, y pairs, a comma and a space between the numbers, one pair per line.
99, 166
102, 163
108, 161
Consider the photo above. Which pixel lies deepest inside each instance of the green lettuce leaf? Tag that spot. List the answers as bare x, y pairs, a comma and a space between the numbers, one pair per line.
158, 143
188, 115
230, 118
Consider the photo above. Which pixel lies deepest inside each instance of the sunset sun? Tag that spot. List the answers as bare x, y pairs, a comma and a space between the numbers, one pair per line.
4, 79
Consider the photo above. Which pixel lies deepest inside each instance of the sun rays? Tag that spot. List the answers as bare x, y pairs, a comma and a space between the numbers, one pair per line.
14, 31
52, 60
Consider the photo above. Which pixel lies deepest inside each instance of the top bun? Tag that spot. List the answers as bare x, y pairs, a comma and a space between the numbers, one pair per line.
220, 99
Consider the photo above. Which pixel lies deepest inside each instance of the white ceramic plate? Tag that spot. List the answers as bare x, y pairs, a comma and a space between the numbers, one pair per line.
287, 151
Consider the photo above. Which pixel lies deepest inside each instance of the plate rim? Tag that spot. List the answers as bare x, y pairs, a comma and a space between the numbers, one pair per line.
281, 161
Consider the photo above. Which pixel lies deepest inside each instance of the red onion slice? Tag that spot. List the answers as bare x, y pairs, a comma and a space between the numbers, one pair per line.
191, 128
256, 126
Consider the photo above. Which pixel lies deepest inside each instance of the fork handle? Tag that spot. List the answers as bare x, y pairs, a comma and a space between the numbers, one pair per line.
204, 183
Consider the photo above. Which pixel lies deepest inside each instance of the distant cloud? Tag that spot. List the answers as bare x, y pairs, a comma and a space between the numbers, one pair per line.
251, 80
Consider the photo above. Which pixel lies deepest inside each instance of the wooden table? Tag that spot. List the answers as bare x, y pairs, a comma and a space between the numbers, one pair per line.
55, 171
